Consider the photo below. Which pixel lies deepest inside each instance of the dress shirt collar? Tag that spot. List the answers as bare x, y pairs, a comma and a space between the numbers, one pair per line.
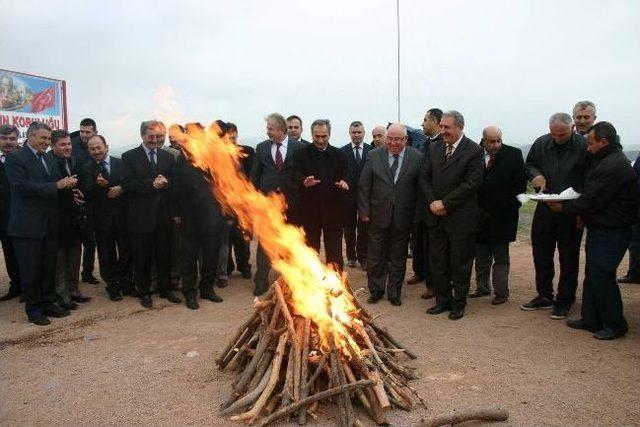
283, 143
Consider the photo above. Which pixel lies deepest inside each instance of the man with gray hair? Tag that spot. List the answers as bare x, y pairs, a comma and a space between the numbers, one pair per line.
8, 143
378, 136
33, 221
450, 180
147, 172
387, 197
267, 175
584, 116
556, 161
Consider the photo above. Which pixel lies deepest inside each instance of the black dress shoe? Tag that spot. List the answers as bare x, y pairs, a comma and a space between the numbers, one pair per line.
53, 310
456, 314
39, 319
374, 298
246, 274
395, 301
9, 295
579, 324
115, 296
90, 280
211, 296
478, 294
145, 301
222, 283
81, 299
192, 303
437, 309
171, 297
69, 305
609, 333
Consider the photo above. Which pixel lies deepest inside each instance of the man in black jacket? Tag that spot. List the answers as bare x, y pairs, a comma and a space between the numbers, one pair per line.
202, 224
504, 179
318, 174
101, 182
147, 174
8, 143
71, 218
608, 206
238, 242
355, 230
420, 261
556, 162
81, 156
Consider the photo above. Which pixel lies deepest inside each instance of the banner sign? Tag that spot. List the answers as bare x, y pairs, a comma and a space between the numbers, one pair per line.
25, 98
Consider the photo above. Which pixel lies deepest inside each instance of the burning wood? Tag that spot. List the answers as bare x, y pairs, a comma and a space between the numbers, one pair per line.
284, 368
308, 340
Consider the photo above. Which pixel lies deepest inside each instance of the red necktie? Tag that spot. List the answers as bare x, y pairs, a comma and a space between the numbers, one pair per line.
279, 161
490, 162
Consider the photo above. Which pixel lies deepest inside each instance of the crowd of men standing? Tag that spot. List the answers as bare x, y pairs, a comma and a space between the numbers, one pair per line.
155, 222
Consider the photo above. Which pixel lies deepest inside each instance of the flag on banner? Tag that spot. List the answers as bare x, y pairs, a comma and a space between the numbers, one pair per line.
43, 100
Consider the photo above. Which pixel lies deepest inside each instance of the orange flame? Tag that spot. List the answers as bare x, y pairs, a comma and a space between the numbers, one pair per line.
318, 292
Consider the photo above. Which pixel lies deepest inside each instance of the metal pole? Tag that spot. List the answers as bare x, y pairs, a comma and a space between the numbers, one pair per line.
398, 27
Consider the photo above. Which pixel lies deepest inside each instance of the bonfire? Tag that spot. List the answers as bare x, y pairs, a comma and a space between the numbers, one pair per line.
308, 339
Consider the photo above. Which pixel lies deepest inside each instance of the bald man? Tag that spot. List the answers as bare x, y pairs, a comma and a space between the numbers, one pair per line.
379, 135
387, 197
504, 179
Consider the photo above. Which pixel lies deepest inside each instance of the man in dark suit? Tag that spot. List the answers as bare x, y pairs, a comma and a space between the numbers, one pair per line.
238, 242
101, 182
633, 271
451, 178
504, 179
8, 143
33, 221
202, 224
81, 156
71, 218
555, 162
318, 174
387, 195
355, 231
294, 129
147, 174
267, 175
420, 261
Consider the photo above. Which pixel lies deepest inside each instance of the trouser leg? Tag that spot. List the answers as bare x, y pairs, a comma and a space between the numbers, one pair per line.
569, 239
417, 263
73, 269
483, 262
461, 250
543, 245
62, 290
398, 242
377, 260
439, 263
333, 247
500, 270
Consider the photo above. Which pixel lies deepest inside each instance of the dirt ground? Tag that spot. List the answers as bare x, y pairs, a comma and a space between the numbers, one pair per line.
119, 364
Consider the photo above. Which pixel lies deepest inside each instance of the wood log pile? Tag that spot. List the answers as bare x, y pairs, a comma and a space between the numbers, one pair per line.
284, 371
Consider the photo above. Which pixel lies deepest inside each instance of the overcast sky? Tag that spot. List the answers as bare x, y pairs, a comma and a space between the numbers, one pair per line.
511, 63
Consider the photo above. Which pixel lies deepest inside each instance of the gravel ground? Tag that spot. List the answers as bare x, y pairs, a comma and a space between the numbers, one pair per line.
119, 364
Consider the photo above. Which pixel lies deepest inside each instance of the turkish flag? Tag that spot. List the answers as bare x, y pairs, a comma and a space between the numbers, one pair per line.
43, 100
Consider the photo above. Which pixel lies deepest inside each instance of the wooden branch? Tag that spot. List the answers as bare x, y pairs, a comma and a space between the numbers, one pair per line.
287, 388
457, 417
232, 343
271, 384
346, 411
309, 400
249, 398
283, 306
304, 357
387, 335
